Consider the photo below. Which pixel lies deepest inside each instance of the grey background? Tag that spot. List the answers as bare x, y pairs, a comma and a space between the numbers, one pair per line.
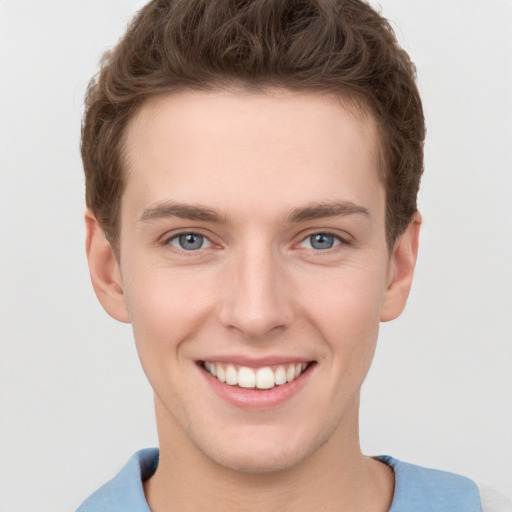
74, 403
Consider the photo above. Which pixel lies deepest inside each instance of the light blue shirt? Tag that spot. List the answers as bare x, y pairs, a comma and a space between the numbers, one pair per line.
417, 489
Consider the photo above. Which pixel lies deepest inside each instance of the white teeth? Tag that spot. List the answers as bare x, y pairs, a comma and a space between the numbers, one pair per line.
246, 377
221, 374
265, 378
280, 377
231, 375
262, 378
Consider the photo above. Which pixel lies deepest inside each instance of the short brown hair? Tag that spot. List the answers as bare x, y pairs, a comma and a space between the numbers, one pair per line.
340, 47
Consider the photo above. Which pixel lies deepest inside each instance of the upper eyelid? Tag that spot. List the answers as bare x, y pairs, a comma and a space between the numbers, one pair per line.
168, 236
342, 237
176, 235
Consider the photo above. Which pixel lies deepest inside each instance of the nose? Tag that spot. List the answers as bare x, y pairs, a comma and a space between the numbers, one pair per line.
256, 298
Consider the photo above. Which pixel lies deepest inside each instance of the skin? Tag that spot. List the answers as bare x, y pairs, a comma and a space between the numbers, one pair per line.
248, 172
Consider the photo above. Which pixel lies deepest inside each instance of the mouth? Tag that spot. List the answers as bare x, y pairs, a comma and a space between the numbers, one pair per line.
264, 377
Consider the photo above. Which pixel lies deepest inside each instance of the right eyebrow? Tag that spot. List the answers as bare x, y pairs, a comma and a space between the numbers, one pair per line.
183, 211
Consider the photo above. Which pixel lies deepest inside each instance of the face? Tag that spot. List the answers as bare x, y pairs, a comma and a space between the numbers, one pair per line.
254, 269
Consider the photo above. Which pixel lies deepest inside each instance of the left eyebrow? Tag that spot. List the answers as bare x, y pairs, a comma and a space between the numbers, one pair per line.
323, 210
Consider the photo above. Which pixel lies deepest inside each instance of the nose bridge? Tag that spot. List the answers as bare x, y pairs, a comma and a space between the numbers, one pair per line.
256, 299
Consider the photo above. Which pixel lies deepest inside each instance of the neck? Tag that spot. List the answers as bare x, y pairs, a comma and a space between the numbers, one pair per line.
335, 477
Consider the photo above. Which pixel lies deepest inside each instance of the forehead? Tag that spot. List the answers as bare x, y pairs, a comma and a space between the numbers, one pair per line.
234, 145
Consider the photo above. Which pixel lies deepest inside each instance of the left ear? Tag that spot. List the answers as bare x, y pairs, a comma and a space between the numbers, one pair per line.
401, 270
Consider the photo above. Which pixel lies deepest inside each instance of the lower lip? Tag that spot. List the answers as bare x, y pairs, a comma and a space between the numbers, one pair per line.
257, 399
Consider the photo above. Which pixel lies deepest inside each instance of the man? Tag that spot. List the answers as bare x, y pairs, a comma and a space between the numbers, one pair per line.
252, 171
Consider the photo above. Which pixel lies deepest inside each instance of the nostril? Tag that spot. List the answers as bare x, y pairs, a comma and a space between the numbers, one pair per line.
257, 306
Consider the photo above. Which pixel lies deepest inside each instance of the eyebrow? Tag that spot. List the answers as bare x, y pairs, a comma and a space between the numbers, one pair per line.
181, 210
201, 213
323, 210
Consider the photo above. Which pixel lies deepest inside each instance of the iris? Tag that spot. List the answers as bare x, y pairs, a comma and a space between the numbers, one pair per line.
321, 241
190, 241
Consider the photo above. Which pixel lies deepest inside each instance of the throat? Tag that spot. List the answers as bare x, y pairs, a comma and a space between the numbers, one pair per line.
369, 489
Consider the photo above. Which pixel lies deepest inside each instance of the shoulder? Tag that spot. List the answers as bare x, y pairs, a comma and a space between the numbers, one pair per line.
125, 492
423, 489
493, 501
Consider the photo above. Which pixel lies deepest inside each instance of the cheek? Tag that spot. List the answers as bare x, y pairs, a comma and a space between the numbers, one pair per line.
164, 312
350, 296
345, 309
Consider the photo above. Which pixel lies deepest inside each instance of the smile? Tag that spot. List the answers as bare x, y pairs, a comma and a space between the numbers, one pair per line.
265, 377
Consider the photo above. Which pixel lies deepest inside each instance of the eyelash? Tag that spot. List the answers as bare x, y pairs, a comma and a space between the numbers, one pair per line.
168, 242
338, 241
341, 241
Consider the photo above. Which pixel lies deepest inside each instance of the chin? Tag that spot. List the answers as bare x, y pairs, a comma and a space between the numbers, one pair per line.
258, 463
262, 453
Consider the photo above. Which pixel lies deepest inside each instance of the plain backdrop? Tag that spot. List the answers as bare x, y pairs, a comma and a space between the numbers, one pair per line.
74, 403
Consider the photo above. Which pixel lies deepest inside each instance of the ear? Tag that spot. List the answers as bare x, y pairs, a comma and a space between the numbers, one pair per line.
401, 270
104, 270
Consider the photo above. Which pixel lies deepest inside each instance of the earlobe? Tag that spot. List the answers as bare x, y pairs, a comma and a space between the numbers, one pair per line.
401, 270
104, 270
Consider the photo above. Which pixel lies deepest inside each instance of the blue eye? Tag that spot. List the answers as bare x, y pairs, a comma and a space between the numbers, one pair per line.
321, 241
190, 241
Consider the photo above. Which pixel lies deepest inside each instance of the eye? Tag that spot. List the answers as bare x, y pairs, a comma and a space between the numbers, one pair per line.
190, 241
321, 241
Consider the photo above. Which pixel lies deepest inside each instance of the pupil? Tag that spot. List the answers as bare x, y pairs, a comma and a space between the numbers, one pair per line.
191, 241
322, 241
